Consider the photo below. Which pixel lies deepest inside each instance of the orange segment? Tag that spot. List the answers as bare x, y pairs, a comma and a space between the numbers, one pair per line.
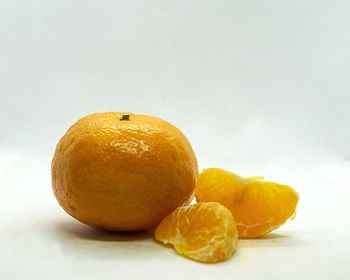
205, 232
258, 206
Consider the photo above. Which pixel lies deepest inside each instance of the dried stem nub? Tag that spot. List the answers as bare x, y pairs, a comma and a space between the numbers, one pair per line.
125, 118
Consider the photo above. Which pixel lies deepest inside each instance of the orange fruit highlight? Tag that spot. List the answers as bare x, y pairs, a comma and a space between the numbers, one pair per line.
257, 206
205, 232
123, 171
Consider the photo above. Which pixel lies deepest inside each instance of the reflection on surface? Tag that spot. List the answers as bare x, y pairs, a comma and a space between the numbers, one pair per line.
76, 230
75, 238
270, 240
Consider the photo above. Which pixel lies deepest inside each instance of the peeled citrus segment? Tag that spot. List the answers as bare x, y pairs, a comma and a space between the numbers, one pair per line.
257, 206
205, 232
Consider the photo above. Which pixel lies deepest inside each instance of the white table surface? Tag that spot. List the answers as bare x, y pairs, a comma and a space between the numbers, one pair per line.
38, 239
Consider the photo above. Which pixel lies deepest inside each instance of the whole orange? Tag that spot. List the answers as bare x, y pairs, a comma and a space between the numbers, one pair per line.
123, 171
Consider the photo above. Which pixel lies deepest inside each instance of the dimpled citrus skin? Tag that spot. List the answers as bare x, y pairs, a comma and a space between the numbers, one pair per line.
122, 171
257, 206
205, 232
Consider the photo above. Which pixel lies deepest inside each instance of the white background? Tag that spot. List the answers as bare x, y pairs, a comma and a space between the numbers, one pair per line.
258, 87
